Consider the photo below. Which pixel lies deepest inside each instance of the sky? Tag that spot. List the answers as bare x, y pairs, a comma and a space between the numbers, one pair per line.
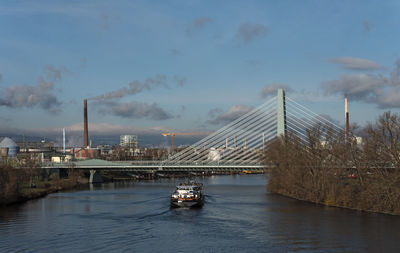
148, 67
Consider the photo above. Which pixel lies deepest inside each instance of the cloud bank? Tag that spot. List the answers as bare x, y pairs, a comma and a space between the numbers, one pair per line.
367, 26
175, 52
236, 111
197, 24
137, 86
377, 89
108, 102
352, 63
30, 96
136, 110
248, 32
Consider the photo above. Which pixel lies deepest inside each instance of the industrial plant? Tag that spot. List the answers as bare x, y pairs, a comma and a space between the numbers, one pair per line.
46, 151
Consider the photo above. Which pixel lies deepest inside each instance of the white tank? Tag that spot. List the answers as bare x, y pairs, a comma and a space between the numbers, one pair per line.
3, 152
214, 155
13, 148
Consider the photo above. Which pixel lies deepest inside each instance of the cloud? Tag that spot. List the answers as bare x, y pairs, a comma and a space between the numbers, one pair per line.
83, 62
136, 110
183, 109
5, 119
359, 87
179, 80
233, 113
313, 96
390, 100
137, 86
248, 32
271, 89
367, 26
104, 19
40, 95
351, 63
377, 89
197, 24
215, 112
254, 62
107, 103
175, 52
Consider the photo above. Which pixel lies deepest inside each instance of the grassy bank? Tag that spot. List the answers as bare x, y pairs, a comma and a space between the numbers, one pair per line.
18, 184
329, 170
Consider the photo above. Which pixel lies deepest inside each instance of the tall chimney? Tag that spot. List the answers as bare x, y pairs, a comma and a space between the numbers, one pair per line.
64, 140
346, 118
345, 108
85, 125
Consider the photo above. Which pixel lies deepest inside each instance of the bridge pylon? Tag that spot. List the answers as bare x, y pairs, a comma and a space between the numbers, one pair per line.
281, 113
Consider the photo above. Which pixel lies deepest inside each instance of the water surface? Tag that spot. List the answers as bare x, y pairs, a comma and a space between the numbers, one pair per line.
238, 216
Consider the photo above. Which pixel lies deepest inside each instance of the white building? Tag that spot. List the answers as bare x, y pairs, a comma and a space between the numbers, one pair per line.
128, 141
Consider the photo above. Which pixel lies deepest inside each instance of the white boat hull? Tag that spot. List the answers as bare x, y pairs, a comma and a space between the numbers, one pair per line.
187, 203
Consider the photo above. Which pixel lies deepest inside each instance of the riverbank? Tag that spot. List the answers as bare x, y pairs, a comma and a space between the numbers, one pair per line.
40, 189
363, 189
46, 188
340, 172
22, 183
349, 197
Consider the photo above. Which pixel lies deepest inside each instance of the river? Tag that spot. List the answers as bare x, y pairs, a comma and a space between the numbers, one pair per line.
238, 216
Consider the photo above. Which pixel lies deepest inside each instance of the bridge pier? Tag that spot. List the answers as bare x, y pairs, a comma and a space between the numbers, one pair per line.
95, 177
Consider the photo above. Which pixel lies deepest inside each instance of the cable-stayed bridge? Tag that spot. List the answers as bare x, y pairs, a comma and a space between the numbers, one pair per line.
242, 142
239, 145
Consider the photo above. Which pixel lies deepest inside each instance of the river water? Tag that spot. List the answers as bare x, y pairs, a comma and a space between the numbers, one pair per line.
238, 216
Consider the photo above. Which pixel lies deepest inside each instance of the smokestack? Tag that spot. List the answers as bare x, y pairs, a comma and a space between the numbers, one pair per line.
346, 118
345, 109
64, 140
85, 125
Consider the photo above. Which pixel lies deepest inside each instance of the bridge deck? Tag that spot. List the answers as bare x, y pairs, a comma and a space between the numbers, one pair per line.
152, 165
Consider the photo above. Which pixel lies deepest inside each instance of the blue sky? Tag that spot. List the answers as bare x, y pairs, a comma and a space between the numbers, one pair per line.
151, 66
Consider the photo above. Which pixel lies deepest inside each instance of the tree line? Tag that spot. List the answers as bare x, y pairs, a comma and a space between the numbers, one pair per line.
20, 181
326, 166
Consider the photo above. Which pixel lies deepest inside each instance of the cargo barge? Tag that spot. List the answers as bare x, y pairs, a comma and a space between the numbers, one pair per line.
188, 195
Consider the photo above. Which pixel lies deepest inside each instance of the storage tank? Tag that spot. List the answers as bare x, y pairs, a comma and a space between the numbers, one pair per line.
13, 148
3, 152
214, 155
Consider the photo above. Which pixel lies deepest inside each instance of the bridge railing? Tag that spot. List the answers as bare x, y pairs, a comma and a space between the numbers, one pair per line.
153, 163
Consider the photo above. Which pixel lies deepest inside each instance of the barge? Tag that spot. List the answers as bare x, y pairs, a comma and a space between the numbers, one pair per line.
188, 195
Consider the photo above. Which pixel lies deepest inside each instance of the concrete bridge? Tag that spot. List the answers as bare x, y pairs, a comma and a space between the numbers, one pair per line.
93, 166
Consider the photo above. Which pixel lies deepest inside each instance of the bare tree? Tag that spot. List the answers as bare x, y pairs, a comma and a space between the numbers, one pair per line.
325, 167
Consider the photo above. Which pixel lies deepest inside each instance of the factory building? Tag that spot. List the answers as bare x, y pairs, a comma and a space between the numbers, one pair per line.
85, 153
